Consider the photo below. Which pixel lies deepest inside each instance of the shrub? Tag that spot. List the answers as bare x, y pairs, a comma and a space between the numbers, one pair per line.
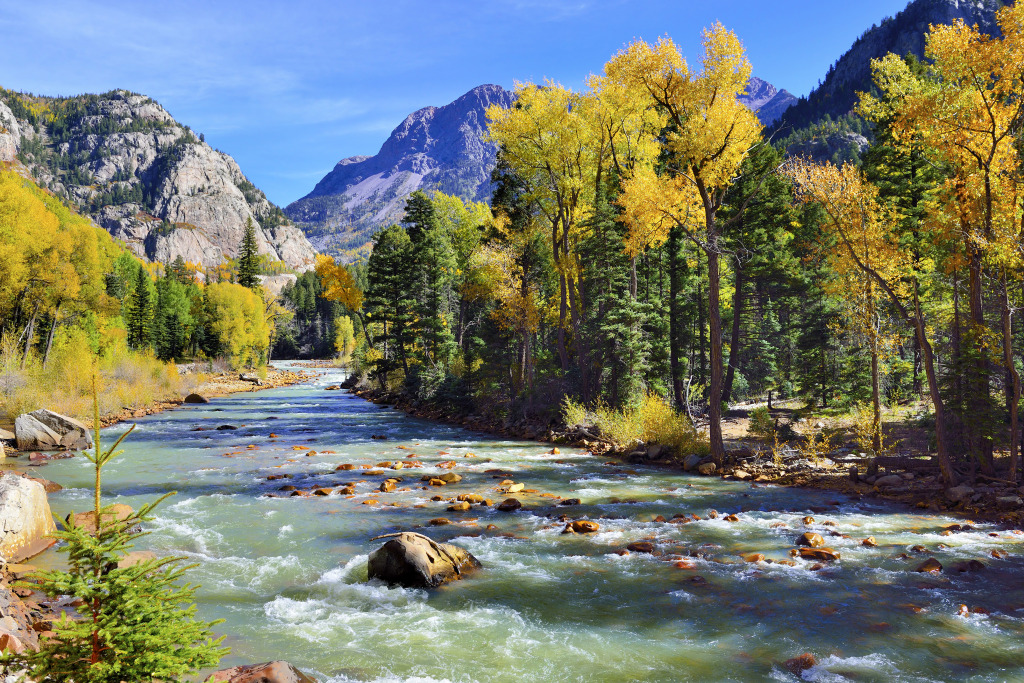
761, 423
651, 421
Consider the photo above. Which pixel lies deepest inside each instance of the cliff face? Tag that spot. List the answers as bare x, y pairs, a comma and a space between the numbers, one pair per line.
121, 159
433, 148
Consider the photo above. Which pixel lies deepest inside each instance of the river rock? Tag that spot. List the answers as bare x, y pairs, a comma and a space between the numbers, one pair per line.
820, 554
797, 665
581, 526
6, 435
691, 462
1009, 502
45, 430
929, 566
414, 561
269, 672
450, 478
470, 498
117, 511
25, 519
811, 540
959, 493
707, 468
641, 547
16, 632
889, 480
509, 505
196, 398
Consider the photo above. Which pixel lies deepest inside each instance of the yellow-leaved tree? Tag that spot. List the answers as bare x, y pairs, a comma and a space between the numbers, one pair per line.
239, 322
708, 134
968, 112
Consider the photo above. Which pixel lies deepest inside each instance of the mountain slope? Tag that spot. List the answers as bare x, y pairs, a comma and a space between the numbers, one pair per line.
766, 100
433, 148
903, 34
121, 159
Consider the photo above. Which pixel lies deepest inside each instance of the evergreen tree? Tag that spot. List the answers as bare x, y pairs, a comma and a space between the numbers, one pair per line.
390, 298
248, 258
140, 311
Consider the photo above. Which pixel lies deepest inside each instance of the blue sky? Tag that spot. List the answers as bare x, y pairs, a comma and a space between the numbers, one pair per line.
290, 88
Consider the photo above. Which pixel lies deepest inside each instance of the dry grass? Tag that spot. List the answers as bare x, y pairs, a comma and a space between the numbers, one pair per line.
651, 421
127, 379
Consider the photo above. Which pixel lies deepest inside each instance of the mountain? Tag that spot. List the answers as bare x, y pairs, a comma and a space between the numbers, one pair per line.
433, 148
903, 34
766, 100
122, 160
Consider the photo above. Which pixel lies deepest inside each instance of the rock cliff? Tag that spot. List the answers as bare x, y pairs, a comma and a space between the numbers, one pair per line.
121, 159
766, 100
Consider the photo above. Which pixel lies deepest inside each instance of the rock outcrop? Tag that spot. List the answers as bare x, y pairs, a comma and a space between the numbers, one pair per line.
433, 148
765, 100
45, 430
414, 561
147, 179
25, 518
269, 672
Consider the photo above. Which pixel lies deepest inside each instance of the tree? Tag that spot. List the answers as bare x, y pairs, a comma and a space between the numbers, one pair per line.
248, 258
709, 133
390, 298
139, 620
238, 322
140, 310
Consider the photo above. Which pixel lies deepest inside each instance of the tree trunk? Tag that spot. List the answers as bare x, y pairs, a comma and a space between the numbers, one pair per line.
674, 318
981, 443
49, 337
1014, 378
563, 353
715, 323
941, 431
29, 333
734, 340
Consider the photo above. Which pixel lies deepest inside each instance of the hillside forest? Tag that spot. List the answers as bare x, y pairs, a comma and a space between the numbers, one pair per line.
647, 249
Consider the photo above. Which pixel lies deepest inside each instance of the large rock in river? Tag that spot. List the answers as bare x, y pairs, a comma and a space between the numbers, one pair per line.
25, 519
414, 561
45, 430
269, 672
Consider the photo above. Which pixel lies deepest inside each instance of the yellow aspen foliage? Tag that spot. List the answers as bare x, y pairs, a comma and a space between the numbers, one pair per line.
338, 283
239, 322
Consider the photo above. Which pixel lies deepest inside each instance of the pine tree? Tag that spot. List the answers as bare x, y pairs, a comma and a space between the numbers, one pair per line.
390, 301
248, 258
140, 311
139, 620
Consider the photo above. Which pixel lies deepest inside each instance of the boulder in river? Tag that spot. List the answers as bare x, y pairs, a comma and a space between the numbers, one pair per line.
269, 672
412, 560
196, 398
811, 540
117, 511
707, 468
509, 505
25, 519
45, 430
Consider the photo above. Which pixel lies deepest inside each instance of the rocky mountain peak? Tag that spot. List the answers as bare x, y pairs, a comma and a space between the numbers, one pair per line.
123, 160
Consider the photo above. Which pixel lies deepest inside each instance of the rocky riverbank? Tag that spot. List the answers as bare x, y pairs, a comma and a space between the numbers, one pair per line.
912, 481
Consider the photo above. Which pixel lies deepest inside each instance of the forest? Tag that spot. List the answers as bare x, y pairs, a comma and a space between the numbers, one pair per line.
647, 245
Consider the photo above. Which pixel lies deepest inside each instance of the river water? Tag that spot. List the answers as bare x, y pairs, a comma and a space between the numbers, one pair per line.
288, 574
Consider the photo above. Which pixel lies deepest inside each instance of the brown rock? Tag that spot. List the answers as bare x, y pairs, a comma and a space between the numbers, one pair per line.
346, 466
116, 512
322, 492
641, 547
822, 554
387, 486
797, 665
509, 505
869, 542
754, 557
581, 526
270, 672
470, 497
439, 521
459, 507
929, 566
811, 540
415, 561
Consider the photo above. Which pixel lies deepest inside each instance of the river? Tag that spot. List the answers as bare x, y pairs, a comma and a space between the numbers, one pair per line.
288, 574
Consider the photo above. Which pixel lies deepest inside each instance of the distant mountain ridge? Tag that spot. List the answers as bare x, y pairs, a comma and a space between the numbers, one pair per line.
438, 148
434, 148
122, 160
902, 34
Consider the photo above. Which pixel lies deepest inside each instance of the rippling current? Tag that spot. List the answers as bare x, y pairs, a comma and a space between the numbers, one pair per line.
288, 574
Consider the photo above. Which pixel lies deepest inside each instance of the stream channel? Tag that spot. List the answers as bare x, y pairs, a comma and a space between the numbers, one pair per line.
288, 574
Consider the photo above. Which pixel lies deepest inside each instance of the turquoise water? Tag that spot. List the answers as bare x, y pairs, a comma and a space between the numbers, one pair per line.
288, 575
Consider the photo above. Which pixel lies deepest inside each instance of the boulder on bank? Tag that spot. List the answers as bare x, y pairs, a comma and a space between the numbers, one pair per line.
268, 672
25, 519
196, 398
116, 512
45, 430
412, 560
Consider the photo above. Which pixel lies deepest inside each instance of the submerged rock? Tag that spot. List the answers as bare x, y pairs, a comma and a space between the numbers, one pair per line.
414, 561
269, 672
